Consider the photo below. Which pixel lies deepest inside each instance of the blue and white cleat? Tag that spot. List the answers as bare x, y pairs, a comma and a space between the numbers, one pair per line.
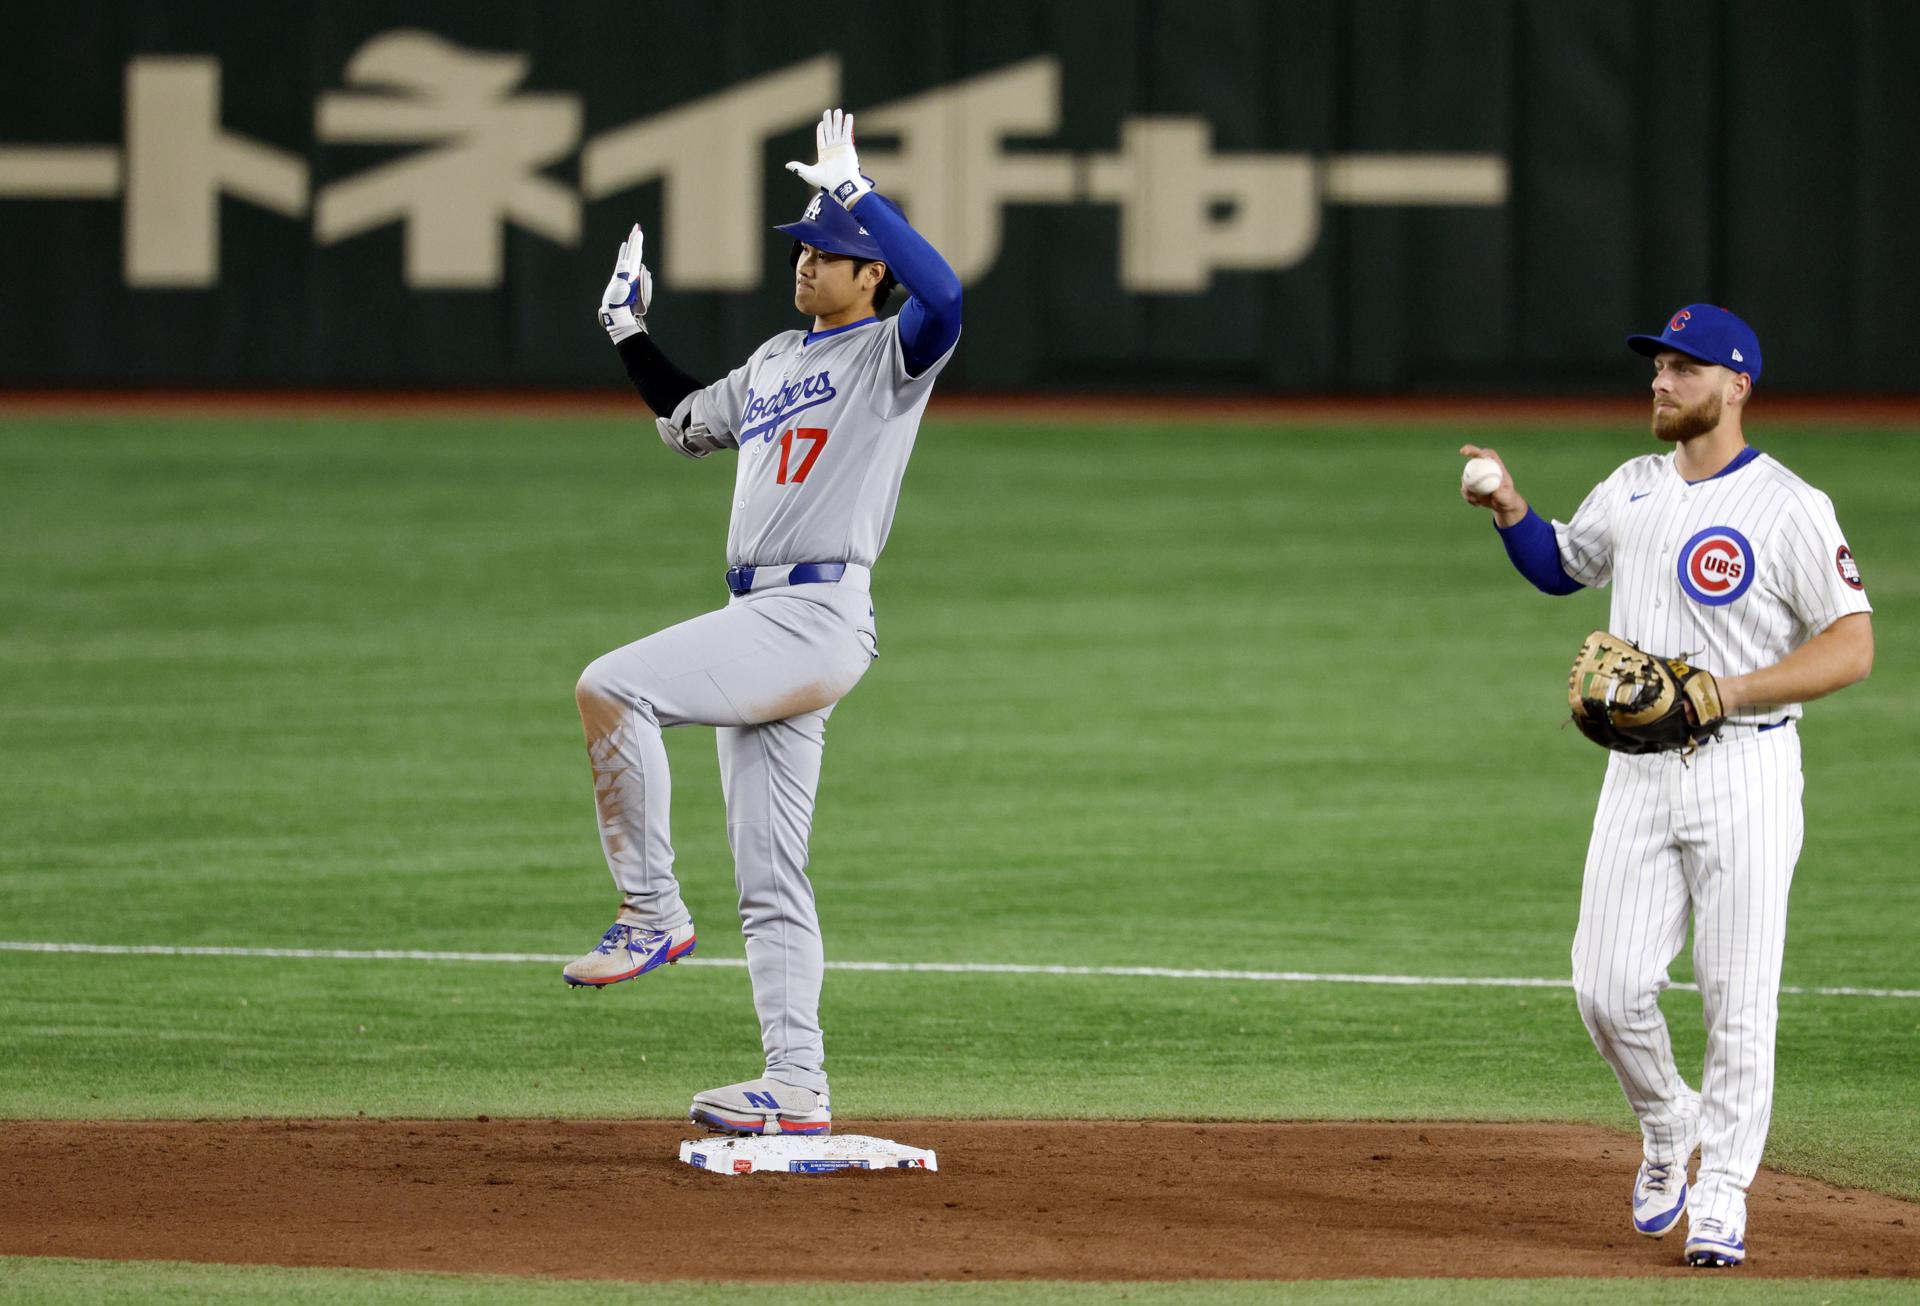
1659, 1197
1712, 1245
762, 1106
626, 951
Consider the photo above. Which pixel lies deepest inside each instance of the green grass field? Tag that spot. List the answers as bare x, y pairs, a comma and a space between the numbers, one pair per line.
1200, 696
84, 1283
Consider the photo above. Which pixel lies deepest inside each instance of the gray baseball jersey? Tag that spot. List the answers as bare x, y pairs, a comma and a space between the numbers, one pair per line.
1733, 572
824, 422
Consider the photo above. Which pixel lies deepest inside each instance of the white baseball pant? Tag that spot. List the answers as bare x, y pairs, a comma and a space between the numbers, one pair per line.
1713, 838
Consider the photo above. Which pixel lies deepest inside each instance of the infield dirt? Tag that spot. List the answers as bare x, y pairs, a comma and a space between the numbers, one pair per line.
1012, 1200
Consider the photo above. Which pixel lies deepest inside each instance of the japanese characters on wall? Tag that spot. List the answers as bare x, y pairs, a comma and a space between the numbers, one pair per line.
1284, 197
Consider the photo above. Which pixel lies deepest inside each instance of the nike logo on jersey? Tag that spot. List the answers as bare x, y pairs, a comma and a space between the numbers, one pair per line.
1635, 498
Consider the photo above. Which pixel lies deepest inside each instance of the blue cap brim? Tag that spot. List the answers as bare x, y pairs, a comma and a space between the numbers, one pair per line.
1652, 346
834, 230
830, 242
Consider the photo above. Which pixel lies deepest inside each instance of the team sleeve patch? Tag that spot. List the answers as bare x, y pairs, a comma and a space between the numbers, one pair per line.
1849, 569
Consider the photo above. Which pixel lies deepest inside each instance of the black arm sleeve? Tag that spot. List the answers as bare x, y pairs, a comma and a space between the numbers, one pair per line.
659, 382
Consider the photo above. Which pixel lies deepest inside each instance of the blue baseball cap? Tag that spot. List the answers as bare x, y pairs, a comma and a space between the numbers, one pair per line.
1708, 333
833, 230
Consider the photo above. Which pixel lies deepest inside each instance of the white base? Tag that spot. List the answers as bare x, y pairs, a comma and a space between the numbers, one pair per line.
802, 1154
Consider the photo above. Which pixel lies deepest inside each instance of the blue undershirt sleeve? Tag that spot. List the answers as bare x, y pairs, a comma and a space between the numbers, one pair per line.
1535, 553
930, 321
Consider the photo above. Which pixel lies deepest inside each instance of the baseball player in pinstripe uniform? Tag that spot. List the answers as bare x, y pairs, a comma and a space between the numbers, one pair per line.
823, 422
1719, 554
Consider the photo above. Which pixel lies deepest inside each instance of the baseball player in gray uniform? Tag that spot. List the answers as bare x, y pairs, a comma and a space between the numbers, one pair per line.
1719, 554
823, 422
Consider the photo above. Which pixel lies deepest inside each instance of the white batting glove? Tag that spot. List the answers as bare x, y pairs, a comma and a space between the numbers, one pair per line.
623, 305
696, 440
838, 170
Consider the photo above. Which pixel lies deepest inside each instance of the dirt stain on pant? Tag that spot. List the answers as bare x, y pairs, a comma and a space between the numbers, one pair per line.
798, 702
599, 711
601, 716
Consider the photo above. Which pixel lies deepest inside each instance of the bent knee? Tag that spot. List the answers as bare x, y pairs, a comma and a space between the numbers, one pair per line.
1608, 1011
599, 699
1596, 1012
594, 684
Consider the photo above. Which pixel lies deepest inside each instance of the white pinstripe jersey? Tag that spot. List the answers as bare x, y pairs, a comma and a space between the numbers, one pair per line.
1732, 573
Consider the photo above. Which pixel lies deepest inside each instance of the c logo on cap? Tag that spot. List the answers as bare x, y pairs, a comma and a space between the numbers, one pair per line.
1679, 321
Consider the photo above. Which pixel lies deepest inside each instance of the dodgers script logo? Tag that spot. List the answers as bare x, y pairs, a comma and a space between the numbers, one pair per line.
1716, 566
763, 413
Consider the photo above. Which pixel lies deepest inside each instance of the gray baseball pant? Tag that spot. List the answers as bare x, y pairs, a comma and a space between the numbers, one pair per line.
765, 671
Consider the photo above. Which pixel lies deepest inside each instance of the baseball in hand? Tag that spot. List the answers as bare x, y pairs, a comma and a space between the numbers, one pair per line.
1481, 476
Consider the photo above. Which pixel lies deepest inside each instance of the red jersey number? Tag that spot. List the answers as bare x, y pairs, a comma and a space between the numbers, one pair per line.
813, 436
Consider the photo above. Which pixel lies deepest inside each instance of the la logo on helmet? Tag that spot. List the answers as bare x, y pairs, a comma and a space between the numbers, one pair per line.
813, 209
1680, 320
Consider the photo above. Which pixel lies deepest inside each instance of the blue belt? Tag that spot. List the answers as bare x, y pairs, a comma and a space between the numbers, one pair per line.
740, 579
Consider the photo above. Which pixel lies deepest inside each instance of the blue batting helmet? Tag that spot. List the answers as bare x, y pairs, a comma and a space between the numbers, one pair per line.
832, 230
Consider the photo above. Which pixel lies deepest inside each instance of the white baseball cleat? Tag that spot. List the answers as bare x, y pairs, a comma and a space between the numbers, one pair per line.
1659, 1197
626, 951
762, 1106
1715, 1245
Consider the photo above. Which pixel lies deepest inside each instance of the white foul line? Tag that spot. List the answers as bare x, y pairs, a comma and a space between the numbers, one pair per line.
904, 967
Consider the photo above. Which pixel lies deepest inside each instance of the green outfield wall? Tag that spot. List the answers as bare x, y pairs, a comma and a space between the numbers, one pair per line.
1448, 196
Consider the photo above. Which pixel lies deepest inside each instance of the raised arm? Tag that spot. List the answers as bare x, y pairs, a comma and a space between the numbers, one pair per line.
930, 322
1531, 544
662, 386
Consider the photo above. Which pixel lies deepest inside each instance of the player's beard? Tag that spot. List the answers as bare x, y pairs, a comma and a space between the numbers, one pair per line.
1678, 424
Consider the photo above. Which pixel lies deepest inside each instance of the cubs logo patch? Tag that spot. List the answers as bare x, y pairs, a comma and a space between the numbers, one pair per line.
1716, 566
1848, 568
1678, 322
